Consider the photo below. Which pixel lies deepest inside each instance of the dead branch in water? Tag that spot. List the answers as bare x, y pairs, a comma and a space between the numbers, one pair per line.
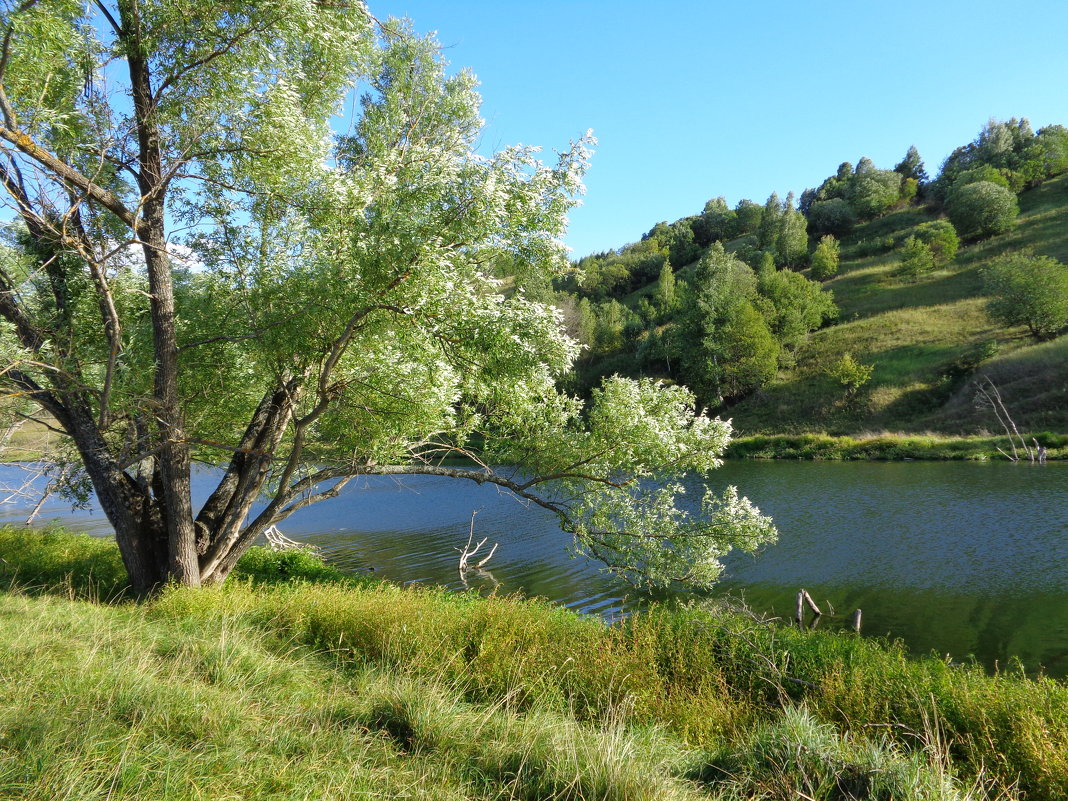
467, 551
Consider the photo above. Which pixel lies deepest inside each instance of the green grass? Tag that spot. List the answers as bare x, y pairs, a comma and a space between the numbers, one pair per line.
26, 441
351, 689
884, 446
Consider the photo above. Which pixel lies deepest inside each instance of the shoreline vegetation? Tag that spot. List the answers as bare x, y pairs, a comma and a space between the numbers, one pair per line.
295, 680
886, 446
865, 446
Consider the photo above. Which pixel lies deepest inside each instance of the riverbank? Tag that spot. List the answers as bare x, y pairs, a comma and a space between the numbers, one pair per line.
888, 447
296, 681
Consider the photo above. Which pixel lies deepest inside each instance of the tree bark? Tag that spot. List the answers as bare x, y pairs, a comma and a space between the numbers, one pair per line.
173, 456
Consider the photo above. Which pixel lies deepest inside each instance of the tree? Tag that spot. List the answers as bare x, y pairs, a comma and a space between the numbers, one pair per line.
665, 289
1029, 290
825, 258
834, 216
982, 209
916, 258
912, 166
201, 270
723, 344
791, 244
793, 306
770, 223
850, 373
872, 192
941, 237
717, 222
748, 216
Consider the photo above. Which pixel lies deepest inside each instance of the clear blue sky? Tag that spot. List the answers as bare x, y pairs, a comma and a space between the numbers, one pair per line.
690, 100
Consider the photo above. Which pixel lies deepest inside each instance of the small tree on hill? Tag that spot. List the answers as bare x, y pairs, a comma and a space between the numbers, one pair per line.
916, 258
825, 258
665, 289
1029, 290
834, 216
912, 166
982, 209
850, 373
941, 237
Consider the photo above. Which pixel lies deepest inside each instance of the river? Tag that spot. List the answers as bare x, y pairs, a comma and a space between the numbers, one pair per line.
963, 559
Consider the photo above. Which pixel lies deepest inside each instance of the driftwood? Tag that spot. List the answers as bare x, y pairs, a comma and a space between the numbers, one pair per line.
467, 551
277, 541
987, 396
803, 599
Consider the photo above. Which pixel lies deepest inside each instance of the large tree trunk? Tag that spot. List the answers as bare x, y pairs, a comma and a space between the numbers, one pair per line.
173, 460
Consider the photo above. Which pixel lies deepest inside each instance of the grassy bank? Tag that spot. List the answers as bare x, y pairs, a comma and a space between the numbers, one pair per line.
299, 683
885, 446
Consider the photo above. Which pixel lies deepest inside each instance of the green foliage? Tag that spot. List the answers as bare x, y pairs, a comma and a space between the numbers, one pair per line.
888, 446
793, 306
1011, 150
746, 352
797, 756
825, 259
716, 223
53, 560
770, 223
263, 565
783, 231
982, 209
834, 216
723, 344
1046, 156
941, 237
748, 216
873, 192
916, 258
465, 687
791, 246
666, 295
1029, 290
850, 373
912, 166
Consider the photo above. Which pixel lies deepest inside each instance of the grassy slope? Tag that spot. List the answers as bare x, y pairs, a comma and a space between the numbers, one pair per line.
913, 333
346, 690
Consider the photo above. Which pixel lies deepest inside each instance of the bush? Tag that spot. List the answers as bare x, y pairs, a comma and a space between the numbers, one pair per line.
825, 258
1029, 290
941, 237
916, 258
982, 209
850, 373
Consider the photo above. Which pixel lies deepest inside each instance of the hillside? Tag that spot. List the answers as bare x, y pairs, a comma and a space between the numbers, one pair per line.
922, 338
927, 335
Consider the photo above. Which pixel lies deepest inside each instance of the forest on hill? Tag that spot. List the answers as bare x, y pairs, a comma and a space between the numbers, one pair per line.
873, 302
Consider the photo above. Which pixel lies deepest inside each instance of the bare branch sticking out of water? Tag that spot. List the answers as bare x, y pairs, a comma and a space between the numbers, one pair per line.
467, 551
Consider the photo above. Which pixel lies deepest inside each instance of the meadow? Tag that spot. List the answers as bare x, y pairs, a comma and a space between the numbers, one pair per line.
296, 681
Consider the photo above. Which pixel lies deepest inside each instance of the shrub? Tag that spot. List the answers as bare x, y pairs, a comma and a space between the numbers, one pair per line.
1029, 290
982, 209
873, 192
941, 237
850, 373
916, 258
825, 258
